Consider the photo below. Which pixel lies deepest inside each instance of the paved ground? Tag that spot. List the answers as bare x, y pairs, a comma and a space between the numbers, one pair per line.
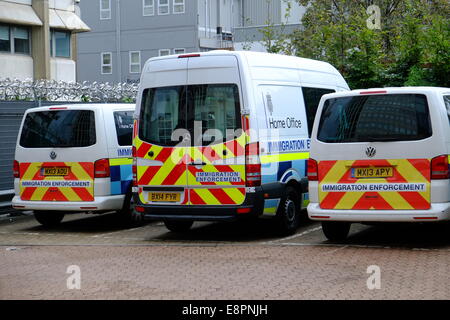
219, 261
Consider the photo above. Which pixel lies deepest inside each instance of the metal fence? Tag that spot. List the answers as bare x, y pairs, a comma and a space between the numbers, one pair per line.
51, 90
18, 96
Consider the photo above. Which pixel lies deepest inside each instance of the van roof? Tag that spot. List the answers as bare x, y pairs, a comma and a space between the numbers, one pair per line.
390, 90
253, 58
85, 106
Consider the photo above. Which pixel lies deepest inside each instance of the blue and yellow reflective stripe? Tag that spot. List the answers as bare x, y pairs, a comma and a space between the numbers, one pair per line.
120, 161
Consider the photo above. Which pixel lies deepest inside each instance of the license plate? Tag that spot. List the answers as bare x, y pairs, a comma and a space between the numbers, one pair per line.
55, 171
164, 196
373, 172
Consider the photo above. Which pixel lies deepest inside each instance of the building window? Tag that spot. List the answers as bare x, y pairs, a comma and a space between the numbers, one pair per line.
178, 6
106, 63
105, 9
148, 7
60, 44
164, 52
14, 39
135, 61
179, 51
163, 7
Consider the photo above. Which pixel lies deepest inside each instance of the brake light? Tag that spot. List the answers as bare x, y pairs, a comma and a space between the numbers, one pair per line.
313, 170
374, 92
134, 166
252, 165
439, 168
16, 169
101, 168
193, 55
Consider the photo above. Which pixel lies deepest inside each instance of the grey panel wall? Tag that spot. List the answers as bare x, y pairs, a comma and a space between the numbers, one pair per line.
11, 114
137, 32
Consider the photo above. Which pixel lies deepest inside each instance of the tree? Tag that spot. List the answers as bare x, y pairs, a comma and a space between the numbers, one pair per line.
411, 47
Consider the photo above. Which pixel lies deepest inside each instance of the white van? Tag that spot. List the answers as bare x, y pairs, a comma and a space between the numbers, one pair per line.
74, 158
225, 135
380, 155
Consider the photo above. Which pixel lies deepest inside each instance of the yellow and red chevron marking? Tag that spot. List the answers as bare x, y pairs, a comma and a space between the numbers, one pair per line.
176, 171
415, 171
78, 171
217, 196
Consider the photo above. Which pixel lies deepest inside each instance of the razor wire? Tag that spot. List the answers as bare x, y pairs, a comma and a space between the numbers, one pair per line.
52, 90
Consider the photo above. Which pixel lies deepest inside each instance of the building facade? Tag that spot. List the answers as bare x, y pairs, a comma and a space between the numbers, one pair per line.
125, 33
38, 39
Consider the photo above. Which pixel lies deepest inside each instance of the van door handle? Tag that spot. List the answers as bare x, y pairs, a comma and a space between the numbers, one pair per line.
197, 164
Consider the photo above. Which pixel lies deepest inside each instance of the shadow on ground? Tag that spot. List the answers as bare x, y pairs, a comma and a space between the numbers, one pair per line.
408, 235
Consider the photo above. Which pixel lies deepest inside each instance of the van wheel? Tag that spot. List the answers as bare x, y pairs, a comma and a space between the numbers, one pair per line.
127, 214
336, 231
288, 214
178, 226
49, 218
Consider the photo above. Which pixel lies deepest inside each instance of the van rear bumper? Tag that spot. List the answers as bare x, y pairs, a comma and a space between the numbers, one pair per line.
254, 205
106, 203
437, 212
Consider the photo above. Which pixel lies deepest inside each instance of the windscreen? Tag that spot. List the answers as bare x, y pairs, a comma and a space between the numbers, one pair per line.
124, 127
208, 113
58, 129
393, 117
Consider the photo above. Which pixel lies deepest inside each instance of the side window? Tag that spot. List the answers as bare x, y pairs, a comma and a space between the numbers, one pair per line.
124, 127
447, 106
312, 98
105, 9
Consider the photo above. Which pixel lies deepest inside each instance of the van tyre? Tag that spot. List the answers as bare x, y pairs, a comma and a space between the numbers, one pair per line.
178, 226
336, 231
128, 215
288, 214
49, 218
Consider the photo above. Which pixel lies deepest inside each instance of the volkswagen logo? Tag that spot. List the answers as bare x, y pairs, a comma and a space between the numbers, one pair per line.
53, 155
371, 151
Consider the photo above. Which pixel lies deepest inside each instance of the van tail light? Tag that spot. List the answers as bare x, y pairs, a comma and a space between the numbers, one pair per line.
101, 168
134, 166
252, 165
313, 170
439, 168
16, 169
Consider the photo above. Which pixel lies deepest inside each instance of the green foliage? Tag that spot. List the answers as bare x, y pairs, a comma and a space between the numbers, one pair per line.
411, 48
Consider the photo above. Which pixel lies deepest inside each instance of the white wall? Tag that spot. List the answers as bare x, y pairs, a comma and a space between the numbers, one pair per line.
67, 5
296, 13
63, 69
28, 2
16, 66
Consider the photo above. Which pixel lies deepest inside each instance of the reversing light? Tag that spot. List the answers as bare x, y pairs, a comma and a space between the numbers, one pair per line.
439, 168
313, 170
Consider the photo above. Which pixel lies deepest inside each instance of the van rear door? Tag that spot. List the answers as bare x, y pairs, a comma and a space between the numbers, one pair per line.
216, 170
56, 153
378, 154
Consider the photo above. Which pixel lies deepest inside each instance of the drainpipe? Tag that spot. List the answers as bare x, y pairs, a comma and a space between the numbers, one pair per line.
118, 43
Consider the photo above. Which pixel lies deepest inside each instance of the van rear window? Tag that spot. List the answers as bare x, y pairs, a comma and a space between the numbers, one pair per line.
210, 111
58, 129
393, 117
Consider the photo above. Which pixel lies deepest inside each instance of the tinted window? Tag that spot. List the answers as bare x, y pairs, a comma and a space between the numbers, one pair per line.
58, 129
394, 117
163, 111
216, 109
447, 106
312, 97
213, 109
124, 127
